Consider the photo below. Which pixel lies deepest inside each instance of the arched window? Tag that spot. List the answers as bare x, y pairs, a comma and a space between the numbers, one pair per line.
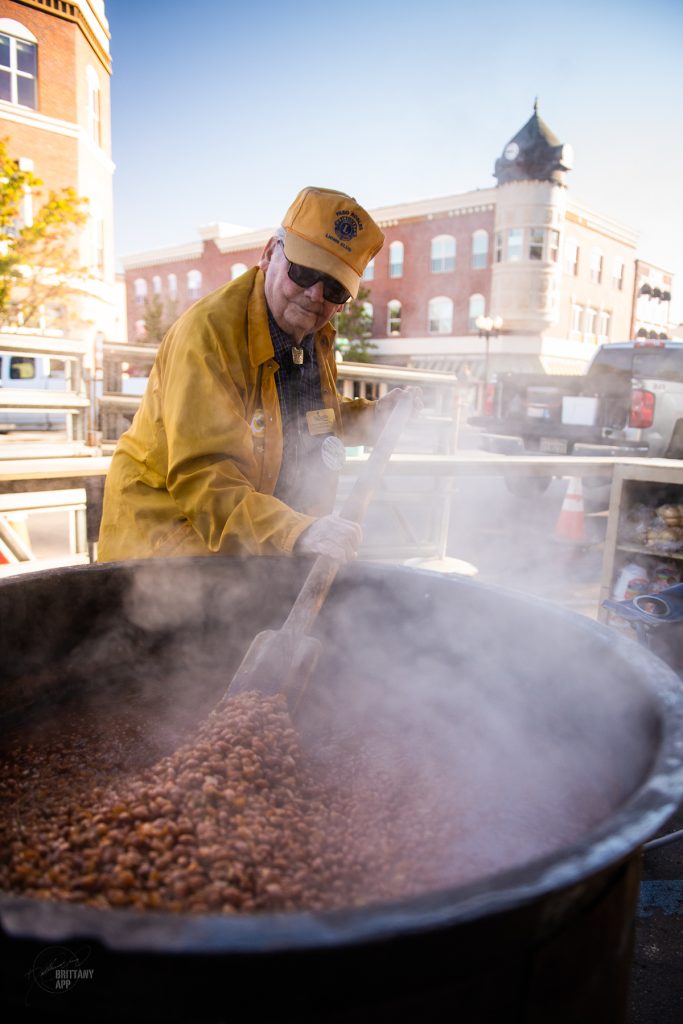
369, 272
18, 64
440, 314
477, 308
480, 249
443, 254
156, 284
172, 285
237, 269
394, 317
140, 289
94, 106
369, 311
194, 284
396, 259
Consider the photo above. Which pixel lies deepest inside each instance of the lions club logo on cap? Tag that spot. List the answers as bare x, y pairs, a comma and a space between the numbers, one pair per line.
345, 228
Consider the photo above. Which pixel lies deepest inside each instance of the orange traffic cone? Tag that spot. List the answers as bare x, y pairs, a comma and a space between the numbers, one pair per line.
571, 525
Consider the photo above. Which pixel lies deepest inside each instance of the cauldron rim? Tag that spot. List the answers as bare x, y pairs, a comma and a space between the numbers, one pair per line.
616, 837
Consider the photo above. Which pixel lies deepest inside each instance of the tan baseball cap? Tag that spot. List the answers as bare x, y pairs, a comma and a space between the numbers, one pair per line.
330, 232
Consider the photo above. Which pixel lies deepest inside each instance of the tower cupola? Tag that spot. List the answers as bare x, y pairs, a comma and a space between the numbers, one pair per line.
534, 154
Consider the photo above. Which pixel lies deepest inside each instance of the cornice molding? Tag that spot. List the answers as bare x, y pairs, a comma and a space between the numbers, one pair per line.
88, 15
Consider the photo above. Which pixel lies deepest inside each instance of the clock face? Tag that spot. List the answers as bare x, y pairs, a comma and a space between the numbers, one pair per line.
511, 151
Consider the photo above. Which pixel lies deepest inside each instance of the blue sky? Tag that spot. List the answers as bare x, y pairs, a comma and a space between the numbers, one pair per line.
223, 111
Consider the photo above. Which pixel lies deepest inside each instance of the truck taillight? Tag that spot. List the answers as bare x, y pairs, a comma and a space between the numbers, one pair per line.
489, 399
642, 408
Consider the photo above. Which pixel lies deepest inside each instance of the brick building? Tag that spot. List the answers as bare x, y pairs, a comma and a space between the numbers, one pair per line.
557, 277
55, 72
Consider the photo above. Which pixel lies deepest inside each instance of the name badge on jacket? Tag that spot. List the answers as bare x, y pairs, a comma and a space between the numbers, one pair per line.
320, 421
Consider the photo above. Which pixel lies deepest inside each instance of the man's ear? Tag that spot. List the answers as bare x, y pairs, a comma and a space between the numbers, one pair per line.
267, 254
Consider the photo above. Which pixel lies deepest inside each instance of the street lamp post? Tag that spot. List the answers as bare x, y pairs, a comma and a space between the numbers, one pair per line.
488, 327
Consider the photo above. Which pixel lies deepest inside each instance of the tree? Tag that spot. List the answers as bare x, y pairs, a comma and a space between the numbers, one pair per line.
354, 329
158, 317
40, 276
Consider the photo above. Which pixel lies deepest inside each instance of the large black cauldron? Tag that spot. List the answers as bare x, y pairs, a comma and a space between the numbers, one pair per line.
543, 935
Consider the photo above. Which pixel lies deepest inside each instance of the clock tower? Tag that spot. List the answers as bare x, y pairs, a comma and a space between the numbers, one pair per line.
530, 210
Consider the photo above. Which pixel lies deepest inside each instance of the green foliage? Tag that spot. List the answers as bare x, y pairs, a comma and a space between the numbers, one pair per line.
158, 317
354, 329
39, 269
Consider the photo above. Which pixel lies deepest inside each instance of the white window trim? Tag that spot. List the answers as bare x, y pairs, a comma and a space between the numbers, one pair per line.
18, 32
442, 251
439, 330
394, 309
10, 27
482, 235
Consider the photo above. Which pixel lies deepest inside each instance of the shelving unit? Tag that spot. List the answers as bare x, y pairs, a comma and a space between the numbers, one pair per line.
652, 482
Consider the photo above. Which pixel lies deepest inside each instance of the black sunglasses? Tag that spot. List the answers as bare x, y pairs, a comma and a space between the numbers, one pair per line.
306, 277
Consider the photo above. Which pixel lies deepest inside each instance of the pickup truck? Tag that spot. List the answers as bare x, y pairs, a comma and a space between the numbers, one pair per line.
629, 402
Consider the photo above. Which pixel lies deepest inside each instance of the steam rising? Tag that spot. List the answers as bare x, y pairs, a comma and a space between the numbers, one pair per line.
488, 734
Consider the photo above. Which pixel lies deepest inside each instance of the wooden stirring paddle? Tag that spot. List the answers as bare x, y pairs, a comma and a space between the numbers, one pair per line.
283, 660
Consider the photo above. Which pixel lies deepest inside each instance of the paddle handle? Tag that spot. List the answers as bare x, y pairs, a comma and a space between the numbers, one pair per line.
319, 580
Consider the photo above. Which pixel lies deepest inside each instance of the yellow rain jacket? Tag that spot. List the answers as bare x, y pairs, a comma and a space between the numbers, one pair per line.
196, 471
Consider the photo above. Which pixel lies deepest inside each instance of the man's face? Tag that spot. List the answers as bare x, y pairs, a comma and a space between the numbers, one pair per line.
298, 311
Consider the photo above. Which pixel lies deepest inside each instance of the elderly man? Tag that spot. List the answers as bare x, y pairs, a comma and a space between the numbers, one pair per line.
236, 446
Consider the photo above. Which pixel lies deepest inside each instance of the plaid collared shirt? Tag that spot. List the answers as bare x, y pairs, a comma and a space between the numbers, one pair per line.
298, 390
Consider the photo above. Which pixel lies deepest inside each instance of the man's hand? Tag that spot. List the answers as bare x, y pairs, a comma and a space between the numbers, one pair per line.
387, 402
332, 536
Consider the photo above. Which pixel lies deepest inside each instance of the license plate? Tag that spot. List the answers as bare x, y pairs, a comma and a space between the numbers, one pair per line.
538, 412
553, 445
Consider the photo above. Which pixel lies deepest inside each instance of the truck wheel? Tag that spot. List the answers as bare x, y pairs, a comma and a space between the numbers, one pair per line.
527, 486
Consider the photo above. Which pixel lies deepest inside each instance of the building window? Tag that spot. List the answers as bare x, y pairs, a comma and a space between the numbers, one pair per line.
577, 320
515, 241
172, 285
18, 64
596, 266
94, 106
604, 324
571, 257
237, 269
477, 308
443, 254
369, 272
589, 323
440, 315
369, 312
536, 243
140, 287
480, 249
553, 245
499, 246
194, 284
156, 285
618, 275
394, 317
396, 259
